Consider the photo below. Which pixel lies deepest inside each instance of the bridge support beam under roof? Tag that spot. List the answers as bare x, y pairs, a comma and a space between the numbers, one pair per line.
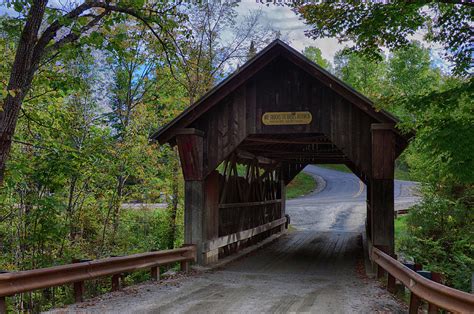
381, 187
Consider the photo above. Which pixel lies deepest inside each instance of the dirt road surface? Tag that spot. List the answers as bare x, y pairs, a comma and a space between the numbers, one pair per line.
318, 268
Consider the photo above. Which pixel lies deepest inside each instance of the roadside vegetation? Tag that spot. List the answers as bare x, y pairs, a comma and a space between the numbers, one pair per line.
301, 185
401, 172
436, 105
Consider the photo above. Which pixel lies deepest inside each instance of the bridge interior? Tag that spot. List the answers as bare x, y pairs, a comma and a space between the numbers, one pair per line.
245, 140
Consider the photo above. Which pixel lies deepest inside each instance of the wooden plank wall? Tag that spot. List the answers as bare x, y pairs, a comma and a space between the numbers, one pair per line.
281, 86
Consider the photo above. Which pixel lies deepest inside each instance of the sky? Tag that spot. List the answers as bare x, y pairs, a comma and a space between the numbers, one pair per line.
292, 28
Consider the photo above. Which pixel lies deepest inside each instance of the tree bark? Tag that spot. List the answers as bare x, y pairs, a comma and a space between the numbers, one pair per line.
21, 77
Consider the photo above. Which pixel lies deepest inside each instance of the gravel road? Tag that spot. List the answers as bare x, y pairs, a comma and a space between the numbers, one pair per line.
317, 268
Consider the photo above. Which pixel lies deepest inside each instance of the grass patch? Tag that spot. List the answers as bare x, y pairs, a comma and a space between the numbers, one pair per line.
338, 167
400, 174
302, 184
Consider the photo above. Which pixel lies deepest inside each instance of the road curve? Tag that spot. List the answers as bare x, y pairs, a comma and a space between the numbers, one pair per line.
315, 269
341, 205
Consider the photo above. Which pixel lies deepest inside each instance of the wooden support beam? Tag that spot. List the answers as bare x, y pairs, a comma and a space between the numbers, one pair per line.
250, 204
242, 235
381, 186
190, 147
193, 214
245, 155
296, 141
211, 216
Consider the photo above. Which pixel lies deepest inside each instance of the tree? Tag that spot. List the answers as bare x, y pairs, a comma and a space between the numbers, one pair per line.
362, 73
314, 54
47, 31
372, 25
205, 54
410, 71
252, 50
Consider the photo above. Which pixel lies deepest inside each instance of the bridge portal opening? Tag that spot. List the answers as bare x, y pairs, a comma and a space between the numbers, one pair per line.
246, 139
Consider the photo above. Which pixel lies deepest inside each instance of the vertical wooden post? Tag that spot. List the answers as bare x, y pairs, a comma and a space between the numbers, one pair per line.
3, 305
116, 282
211, 215
414, 304
381, 187
391, 281
78, 291
185, 266
436, 277
368, 226
193, 215
380, 272
191, 153
78, 286
282, 197
155, 273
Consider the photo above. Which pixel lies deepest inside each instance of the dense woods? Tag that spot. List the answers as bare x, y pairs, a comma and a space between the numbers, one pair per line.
84, 86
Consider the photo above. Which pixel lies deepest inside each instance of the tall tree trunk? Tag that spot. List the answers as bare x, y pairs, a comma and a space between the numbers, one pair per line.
116, 213
24, 66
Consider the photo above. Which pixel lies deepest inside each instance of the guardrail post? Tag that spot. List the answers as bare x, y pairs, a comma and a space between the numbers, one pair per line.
79, 291
391, 281
185, 266
78, 286
380, 272
436, 277
3, 305
155, 273
115, 282
414, 304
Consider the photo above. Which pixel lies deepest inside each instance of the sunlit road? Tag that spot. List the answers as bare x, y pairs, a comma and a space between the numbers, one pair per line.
341, 205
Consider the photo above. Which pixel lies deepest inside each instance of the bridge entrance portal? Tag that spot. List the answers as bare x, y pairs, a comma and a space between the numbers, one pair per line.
247, 138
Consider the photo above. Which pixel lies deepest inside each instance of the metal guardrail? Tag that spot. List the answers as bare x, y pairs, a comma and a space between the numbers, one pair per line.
77, 273
432, 292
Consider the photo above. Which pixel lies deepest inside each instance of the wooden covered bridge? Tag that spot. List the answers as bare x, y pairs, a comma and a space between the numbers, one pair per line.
247, 138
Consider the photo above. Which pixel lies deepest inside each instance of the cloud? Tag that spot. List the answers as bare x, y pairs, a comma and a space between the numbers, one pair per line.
293, 28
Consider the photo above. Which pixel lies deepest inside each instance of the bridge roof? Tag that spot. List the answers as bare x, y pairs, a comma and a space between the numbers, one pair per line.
275, 49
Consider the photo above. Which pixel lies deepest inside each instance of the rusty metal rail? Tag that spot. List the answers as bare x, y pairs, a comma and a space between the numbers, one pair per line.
77, 273
434, 293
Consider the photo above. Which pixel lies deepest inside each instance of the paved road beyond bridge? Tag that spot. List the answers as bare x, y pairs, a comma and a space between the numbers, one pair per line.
318, 268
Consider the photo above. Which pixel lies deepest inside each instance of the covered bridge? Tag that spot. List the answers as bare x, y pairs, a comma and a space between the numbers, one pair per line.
248, 137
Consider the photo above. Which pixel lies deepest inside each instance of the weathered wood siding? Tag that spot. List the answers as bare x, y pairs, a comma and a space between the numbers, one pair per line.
282, 86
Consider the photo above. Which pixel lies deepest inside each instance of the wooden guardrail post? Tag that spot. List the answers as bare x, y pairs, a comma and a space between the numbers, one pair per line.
380, 272
3, 299
391, 287
116, 282
78, 286
3, 305
414, 303
185, 266
155, 273
78, 291
436, 277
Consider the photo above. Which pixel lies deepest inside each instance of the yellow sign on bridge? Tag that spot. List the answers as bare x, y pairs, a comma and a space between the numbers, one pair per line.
287, 118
